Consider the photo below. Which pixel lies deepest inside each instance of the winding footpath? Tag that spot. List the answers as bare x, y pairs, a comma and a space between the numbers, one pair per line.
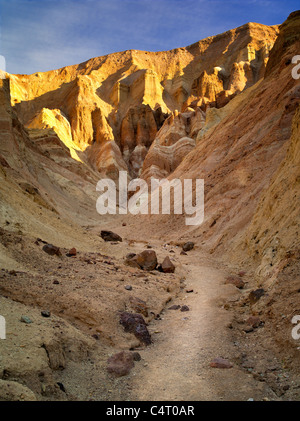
177, 366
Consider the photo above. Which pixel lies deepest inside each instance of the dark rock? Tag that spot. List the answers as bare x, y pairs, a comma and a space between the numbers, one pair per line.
52, 250
167, 266
110, 236
189, 291
46, 313
3, 162
55, 282
174, 307
185, 308
236, 281
183, 253
128, 287
188, 246
221, 363
124, 224
95, 336
136, 356
254, 296
147, 260
135, 323
62, 387
120, 364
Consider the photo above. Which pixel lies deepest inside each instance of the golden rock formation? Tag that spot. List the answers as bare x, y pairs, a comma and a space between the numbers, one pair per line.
120, 101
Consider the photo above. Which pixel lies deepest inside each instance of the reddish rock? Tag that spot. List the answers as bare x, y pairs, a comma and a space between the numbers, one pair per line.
147, 260
72, 252
167, 266
221, 363
185, 308
236, 281
135, 323
120, 364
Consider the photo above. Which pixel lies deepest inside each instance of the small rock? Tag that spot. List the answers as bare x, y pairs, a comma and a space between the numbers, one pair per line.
174, 307
253, 321
185, 308
236, 281
254, 296
25, 319
136, 356
183, 253
110, 236
72, 252
167, 266
55, 282
52, 250
46, 314
61, 386
128, 287
120, 364
188, 246
221, 363
124, 224
189, 291
135, 323
95, 336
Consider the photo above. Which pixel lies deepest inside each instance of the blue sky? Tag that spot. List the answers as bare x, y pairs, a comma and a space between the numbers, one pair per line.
41, 35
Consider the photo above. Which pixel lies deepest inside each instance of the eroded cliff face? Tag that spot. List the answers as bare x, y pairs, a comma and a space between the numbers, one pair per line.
113, 106
247, 153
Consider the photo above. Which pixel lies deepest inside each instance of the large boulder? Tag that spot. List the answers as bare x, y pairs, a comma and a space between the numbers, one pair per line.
147, 260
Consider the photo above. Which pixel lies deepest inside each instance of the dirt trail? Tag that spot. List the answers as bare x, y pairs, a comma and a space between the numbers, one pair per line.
176, 366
